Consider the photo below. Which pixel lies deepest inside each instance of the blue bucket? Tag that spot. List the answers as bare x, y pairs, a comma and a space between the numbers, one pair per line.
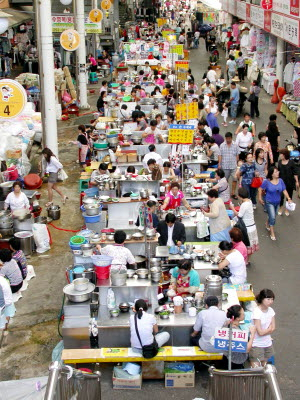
76, 246
91, 218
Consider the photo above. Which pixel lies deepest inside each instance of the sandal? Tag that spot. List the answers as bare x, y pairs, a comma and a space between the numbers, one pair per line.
49, 203
272, 237
268, 228
64, 199
287, 213
279, 213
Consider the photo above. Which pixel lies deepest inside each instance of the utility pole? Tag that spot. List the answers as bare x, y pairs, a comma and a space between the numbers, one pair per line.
116, 22
47, 82
81, 54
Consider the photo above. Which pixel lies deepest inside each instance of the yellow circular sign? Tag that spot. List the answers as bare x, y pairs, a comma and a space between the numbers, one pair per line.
95, 15
105, 4
70, 39
13, 98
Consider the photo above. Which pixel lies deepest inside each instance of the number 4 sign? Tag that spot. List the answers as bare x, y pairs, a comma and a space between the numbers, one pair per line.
13, 99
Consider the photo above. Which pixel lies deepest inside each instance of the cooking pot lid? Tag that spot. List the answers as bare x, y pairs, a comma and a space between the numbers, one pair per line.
23, 234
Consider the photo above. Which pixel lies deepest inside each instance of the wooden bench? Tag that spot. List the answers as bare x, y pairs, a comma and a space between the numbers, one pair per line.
123, 354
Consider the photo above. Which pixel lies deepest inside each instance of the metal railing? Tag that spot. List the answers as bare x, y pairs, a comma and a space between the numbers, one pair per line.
65, 382
250, 384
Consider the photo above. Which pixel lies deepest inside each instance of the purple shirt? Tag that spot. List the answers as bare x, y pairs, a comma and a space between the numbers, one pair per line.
273, 192
218, 138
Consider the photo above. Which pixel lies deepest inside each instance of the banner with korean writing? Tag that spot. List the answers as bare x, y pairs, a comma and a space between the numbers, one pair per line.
257, 16
239, 340
241, 10
277, 25
61, 23
181, 134
182, 65
291, 30
177, 49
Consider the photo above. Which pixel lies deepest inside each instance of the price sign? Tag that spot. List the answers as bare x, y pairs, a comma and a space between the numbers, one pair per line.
105, 5
95, 15
177, 49
181, 134
182, 65
70, 40
13, 98
186, 111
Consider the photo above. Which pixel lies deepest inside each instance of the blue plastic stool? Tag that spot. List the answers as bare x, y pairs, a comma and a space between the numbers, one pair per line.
93, 78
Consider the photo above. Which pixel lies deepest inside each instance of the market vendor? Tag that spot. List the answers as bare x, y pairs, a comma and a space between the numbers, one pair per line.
151, 204
16, 200
175, 198
102, 170
120, 254
152, 133
172, 232
184, 279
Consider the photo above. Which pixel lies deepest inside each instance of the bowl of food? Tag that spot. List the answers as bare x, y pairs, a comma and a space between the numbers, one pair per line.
164, 314
114, 312
130, 273
137, 236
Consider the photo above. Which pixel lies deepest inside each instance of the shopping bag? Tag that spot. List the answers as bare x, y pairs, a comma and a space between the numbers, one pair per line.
62, 176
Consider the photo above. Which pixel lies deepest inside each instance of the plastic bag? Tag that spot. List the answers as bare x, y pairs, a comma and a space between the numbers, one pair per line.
41, 237
202, 227
57, 351
290, 206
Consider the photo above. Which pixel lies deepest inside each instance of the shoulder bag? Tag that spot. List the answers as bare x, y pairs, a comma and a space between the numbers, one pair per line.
251, 98
150, 350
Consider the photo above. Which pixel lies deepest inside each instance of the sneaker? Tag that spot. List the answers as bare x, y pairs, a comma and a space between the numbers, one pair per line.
232, 122
254, 206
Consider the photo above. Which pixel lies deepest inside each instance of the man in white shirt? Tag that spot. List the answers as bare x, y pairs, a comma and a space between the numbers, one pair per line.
147, 69
152, 155
120, 254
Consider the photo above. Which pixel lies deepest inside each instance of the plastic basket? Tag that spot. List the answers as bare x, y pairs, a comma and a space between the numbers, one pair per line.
101, 260
76, 246
91, 192
77, 240
91, 218
102, 272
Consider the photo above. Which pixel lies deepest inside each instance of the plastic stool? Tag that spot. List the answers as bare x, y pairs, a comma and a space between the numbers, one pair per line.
93, 78
83, 184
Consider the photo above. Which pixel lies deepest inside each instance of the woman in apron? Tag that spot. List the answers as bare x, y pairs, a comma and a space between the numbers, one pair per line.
184, 280
175, 198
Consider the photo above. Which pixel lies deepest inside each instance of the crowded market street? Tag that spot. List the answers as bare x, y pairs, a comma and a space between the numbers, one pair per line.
34, 331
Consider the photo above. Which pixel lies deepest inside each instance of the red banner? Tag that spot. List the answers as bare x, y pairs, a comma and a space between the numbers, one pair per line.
294, 10
267, 21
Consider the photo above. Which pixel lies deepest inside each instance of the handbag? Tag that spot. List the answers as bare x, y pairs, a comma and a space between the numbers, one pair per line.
225, 273
149, 350
251, 98
62, 176
241, 225
256, 182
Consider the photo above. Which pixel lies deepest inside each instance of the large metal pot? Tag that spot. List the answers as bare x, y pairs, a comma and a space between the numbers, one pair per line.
136, 139
78, 297
118, 279
90, 200
6, 224
87, 249
27, 241
40, 220
91, 209
54, 212
113, 141
7, 232
6, 188
142, 273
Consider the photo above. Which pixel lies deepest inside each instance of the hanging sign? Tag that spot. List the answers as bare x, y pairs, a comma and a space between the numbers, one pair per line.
105, 5
70, 40
95, 15
182, 65
161, 21
186, 111
13, 98
177, 49
267, 4
239, 340
181, 134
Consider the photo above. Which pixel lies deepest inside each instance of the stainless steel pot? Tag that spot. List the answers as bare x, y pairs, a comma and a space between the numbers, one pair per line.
113, 141
142, 273
124, 307
140, 261
87, 249
23, 224
81, 284
90, 200
6, 232
137, 236
118, 279
130, 273
27, 241
78, 297
92, 209
136, 140
6, 224
6, 188
54, 212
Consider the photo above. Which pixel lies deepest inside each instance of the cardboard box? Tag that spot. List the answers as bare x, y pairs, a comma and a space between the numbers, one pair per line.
122, 158
132, 157
134, 384
179, 380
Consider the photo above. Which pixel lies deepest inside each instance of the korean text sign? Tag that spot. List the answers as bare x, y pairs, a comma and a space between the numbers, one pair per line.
181, 134
239, 340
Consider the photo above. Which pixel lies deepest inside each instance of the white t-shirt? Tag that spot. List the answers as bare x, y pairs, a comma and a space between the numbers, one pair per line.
246, 213
215, 152
120, 254
265, 320
145, 328
171, 79
7, 295
211, 75
237, 267
155, 156
15, 202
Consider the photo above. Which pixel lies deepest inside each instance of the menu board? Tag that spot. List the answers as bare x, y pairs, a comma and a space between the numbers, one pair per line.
181, 134
186, 111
